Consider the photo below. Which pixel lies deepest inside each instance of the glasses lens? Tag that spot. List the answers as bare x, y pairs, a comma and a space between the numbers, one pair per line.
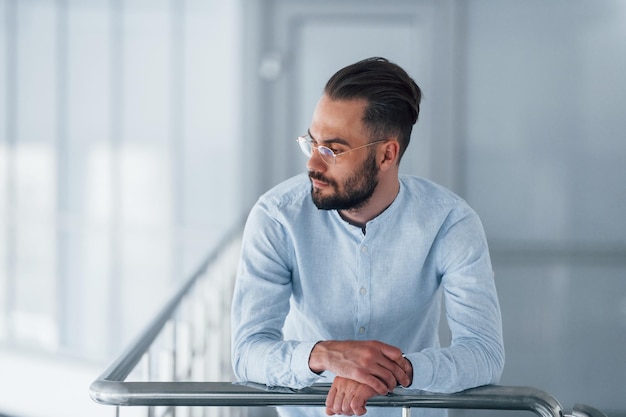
305, 146
327, 155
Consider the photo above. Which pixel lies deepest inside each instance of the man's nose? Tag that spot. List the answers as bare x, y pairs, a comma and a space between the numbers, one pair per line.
315, 162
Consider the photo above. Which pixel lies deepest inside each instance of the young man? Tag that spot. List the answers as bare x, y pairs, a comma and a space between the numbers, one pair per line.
342, 271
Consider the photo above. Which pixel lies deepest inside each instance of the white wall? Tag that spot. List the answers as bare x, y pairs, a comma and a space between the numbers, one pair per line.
119, 150
545, 159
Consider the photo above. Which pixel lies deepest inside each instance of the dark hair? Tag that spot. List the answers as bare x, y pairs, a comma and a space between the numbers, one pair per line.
393, 97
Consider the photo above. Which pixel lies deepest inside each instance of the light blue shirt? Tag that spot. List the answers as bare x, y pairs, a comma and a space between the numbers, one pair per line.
307, 275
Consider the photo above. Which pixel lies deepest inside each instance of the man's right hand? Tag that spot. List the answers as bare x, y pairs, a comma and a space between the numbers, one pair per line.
347, 397
376, 364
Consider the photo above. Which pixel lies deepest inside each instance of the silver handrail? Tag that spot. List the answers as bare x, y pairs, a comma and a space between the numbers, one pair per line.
490, 397
112, 387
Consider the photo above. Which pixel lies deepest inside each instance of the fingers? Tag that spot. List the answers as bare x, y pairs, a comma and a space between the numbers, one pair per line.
380, 379
347, 397
401, 368
357, 405
330, 401
396, 371
407, 367
334, 399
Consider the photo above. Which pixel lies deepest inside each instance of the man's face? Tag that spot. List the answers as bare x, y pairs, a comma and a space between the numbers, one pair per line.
351, 181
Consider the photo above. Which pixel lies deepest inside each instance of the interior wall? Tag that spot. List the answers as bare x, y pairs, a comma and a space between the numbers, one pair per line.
545, 160
117, 118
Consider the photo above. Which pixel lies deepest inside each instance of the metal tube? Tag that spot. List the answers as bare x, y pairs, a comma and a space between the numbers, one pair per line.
229, 394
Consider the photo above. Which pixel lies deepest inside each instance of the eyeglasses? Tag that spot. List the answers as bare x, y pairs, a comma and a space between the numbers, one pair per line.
328, 155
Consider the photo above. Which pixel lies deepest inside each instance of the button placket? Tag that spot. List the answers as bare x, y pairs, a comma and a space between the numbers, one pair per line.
362, 289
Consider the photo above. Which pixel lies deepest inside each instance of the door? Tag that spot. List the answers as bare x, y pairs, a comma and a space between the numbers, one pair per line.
293, 47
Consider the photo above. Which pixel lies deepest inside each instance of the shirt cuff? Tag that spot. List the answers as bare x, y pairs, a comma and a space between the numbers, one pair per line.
300, 362
422, 371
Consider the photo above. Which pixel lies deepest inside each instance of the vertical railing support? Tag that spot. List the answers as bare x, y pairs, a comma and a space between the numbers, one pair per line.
149, 376
175, 318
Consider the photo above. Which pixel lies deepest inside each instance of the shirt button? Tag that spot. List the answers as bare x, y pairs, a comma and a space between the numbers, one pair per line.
362, 291
364, 249
361, 330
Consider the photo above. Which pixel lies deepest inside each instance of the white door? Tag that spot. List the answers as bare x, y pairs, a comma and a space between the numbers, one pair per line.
293, 47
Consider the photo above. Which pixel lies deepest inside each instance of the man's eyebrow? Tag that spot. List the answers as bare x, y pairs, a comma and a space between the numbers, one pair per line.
329, 141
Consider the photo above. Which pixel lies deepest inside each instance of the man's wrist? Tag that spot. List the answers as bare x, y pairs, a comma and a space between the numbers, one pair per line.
316, 361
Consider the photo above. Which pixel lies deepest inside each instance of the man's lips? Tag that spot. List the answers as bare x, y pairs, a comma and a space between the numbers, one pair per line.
318, 181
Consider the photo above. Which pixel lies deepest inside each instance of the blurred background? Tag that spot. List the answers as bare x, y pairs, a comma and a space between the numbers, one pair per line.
135, 133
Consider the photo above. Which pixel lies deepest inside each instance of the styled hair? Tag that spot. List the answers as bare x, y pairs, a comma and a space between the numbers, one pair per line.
393, 98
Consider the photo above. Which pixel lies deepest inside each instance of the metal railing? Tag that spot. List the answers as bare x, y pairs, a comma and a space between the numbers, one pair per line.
187, 344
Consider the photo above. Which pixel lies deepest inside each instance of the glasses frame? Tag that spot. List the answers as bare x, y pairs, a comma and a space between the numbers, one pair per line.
306, 142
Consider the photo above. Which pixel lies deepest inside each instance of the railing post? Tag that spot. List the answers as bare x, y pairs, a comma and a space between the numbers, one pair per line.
175, 318
149, 376
174, 352
406, 411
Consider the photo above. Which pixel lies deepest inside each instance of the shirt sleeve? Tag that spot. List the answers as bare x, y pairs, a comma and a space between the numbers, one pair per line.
260, 305
475, 356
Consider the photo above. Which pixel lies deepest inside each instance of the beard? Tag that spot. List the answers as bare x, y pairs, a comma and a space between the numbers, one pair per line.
357, 189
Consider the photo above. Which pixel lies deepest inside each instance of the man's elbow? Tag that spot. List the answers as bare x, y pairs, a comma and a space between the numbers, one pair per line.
496, 364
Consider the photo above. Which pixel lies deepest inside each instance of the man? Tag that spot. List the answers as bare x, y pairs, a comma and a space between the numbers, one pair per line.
342, 271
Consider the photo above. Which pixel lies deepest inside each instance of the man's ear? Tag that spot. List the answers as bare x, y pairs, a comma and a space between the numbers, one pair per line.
388, 155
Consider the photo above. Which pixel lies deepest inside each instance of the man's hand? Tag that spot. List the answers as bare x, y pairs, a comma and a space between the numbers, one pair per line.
348, 397
378, 365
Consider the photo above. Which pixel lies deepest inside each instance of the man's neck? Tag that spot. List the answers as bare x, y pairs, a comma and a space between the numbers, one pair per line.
385, 193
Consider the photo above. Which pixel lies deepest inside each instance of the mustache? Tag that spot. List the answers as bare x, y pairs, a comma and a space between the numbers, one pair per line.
314, 175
